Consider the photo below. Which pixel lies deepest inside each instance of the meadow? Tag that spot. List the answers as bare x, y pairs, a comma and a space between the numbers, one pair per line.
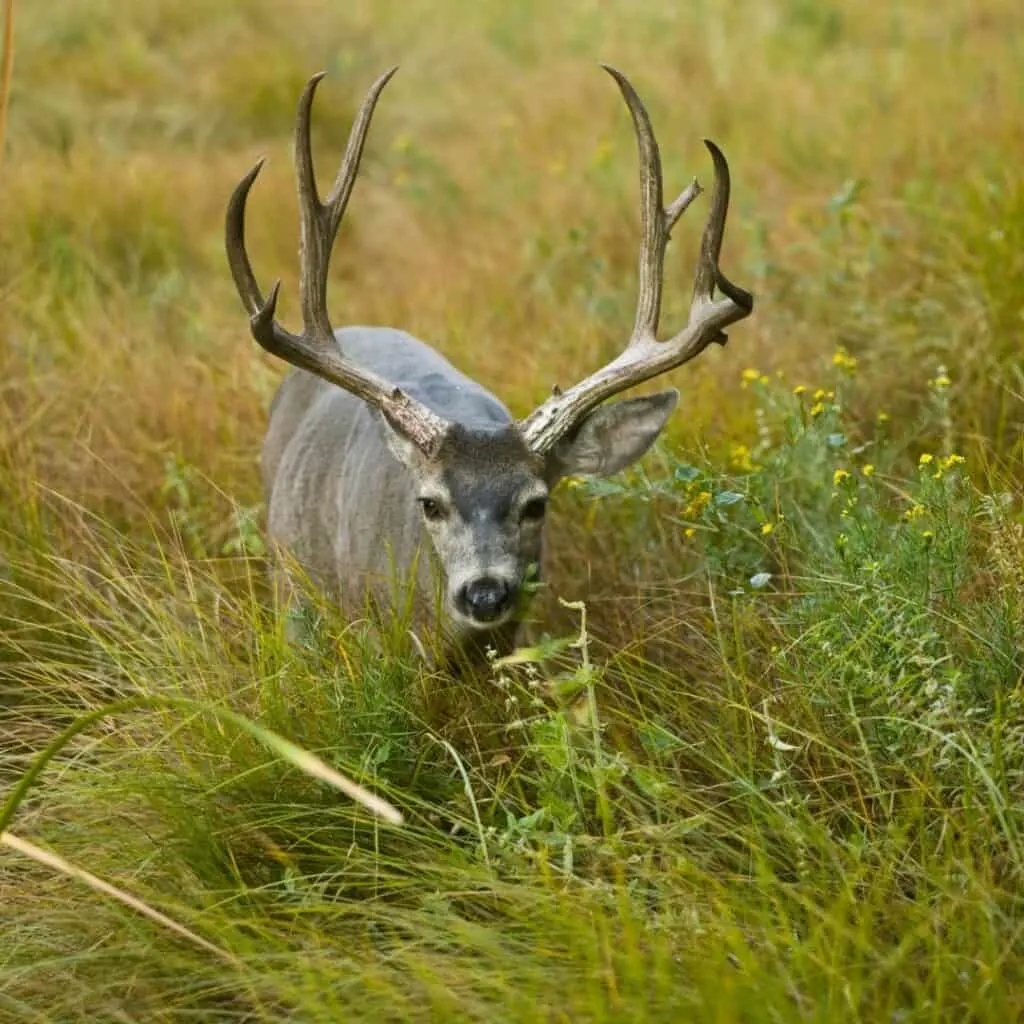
761, 758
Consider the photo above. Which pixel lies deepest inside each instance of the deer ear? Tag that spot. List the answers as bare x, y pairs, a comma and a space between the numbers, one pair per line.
614, 435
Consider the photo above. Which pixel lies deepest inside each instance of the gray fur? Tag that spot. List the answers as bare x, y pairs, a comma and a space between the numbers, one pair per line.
343, 487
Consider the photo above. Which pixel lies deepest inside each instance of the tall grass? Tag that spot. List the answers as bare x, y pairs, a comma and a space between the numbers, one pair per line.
6, 70
762, 756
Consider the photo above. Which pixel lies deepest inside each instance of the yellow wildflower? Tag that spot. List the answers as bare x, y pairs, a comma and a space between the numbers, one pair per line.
840, 476
844, 360
868, 470
817, 409
926, 459
767, 528
697, 504
740, 458
799, 389
689, 531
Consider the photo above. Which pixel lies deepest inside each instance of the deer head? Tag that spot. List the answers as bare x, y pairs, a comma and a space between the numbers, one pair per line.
482, 481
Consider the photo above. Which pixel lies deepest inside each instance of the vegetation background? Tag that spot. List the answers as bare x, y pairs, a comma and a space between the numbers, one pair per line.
771, 769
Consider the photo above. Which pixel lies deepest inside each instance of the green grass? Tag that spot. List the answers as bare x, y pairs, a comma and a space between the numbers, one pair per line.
763, 759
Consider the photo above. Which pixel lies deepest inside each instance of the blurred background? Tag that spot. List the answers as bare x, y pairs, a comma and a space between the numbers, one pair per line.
877, 205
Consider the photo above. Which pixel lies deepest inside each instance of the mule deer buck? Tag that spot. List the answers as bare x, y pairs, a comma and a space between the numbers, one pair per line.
376, 444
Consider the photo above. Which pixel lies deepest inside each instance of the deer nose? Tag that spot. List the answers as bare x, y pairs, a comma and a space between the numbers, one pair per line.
486, 598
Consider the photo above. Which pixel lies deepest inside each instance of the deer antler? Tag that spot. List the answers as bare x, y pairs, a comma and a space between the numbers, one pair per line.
317, 349
644, 356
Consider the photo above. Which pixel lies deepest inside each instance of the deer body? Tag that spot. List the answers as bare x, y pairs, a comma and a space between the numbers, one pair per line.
384, 466
339, 499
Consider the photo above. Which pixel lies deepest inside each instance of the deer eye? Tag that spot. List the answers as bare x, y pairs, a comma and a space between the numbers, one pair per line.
432, 509
534, 509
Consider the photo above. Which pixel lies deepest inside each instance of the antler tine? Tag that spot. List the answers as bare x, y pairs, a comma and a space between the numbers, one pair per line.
653, 235
320, 220
234, 236
644, 356
656, 223
317, 349
708, 275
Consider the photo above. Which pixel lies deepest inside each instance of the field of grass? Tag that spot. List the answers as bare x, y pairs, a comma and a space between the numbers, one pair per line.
765, 758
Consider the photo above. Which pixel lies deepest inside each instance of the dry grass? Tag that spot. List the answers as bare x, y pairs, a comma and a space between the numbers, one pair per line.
497, 220
877, 206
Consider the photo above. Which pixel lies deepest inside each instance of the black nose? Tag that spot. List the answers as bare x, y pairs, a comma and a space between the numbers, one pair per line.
486, 598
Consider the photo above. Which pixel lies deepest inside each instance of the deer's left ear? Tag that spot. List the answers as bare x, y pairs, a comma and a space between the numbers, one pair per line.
613, 436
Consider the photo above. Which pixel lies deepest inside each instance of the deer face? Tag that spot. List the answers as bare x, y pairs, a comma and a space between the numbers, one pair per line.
483, 497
